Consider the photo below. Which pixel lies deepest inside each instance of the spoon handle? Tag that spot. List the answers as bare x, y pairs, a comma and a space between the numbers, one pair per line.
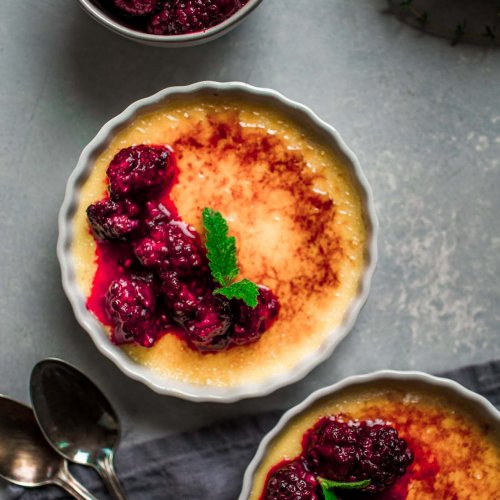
66, 480
108, 475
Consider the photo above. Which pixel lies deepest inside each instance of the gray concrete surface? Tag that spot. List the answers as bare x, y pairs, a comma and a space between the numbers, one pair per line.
423, 118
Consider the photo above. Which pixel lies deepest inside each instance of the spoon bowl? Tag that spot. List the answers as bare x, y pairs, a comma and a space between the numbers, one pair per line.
26, 459
76, 418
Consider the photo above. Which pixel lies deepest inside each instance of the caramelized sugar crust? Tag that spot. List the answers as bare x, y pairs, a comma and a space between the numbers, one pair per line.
456, 450
290, 202
280, 183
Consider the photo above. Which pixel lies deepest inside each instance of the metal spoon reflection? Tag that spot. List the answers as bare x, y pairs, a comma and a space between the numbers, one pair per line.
26, 458
76, 418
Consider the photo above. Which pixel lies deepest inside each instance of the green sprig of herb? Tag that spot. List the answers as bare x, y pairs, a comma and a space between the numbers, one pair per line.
421, 17
459, 32
328, 487
221, 253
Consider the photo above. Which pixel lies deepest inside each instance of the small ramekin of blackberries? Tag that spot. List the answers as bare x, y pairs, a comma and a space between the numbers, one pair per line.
170, 23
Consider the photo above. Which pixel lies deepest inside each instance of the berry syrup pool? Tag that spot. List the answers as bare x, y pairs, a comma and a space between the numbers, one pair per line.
289, 201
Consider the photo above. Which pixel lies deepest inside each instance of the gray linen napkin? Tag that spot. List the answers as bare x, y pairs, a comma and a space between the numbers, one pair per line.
177, 467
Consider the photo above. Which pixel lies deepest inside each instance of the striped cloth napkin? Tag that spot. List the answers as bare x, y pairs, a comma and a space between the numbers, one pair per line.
177, 467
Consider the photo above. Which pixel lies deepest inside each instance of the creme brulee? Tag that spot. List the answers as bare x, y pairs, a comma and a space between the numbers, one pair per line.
289, 200
456, 451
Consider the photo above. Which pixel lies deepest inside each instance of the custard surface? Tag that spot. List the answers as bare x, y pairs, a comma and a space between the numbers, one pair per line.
289, 200
455, 455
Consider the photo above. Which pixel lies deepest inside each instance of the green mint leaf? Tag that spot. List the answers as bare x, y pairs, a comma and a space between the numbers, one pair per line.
328, 486
244, 290
221, 253
221, 248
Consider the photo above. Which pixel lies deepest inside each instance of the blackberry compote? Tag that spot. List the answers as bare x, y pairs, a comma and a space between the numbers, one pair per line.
291, 481
153, 275
352, 451
344, 451
172, 17
137, 172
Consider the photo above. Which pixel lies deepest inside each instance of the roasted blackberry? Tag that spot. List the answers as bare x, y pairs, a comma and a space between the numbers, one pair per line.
291, 481
187, 16
354, 451
110, 219
170, 246
250, 324
139, 170
182, 297
131, 304
208, 330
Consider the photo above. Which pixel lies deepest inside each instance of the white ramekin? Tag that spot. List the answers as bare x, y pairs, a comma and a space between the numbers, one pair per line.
97, 332
444, 386
199, 37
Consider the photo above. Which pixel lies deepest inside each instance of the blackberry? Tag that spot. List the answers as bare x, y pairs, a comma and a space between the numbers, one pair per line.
110, 219
139, 170
208, 330
291, 481
187, 16
205, 319
250, 324
169, 246
354, 451
182, 298
131, 304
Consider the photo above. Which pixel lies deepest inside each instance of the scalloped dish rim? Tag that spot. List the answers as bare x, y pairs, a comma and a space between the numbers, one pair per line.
169, 386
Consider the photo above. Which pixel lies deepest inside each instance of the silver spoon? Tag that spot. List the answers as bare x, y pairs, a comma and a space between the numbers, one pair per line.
76, 418
26, 458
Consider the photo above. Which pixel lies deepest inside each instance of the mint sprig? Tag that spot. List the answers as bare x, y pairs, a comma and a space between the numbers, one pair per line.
243, 289
221, 253
328, 487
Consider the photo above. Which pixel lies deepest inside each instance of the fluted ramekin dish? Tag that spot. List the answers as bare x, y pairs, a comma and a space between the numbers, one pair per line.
161, 384
441, 387
185, 40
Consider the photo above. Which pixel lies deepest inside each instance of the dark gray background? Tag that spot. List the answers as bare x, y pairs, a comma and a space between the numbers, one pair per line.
423, 118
